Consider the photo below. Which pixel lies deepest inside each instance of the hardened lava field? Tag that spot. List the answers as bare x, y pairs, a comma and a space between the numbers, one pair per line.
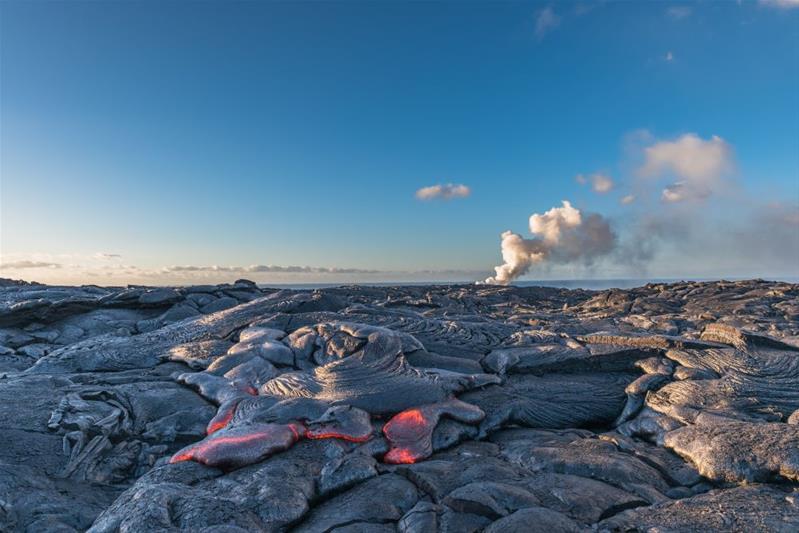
413, 409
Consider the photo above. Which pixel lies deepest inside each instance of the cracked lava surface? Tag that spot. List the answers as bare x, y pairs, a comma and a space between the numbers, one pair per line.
668, 407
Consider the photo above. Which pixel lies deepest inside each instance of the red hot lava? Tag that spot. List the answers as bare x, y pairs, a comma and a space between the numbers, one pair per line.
236, 447
223, 416
409, 434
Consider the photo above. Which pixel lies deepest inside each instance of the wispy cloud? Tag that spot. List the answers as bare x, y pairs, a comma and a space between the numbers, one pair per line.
106, 256
115, 273
545, 21
627, 200
600, 183
446, 191
781, 4
679, 12
680, 191
26, 264
581, 8
699, 165
291, 269
669, 57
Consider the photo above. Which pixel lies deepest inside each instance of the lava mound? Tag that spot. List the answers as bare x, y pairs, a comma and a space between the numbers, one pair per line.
365, 376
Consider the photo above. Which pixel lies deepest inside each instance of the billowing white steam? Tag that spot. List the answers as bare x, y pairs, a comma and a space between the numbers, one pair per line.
561, 235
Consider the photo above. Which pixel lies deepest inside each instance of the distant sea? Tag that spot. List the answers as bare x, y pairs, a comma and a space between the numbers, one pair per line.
589, 284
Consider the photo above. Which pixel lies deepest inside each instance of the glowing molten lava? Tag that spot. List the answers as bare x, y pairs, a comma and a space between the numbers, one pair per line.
335, 435
400, 456
342, 422
236, 447
411, 417
223, 416
409, 434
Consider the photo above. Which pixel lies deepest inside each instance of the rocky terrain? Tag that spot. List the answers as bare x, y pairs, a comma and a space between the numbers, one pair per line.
233, 408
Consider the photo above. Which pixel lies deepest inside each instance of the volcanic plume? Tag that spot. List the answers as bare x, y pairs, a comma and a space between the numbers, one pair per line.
561, 235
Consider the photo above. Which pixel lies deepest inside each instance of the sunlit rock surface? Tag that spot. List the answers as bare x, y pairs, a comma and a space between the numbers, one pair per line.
444, 408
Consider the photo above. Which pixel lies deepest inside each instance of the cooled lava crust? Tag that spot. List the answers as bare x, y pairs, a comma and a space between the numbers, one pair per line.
669, 407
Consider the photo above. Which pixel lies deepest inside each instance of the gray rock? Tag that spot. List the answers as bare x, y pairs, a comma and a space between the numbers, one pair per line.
534, 520
34, 351
397, 496
156, 297
220, 304
45, 335
146, 326
177, 313
741, 509
737, 451
200, 299
70, 334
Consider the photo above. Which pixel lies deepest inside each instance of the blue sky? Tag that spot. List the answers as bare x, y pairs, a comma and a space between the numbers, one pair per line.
141, 135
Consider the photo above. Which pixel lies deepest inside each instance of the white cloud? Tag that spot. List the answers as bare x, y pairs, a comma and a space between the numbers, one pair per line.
627, 200
446, 191
601, 183
676, 192
291, 269
689, 157
545, 21
26, 264
585, 8
669, 57
679, 12
90, 270
781, 4
698, 165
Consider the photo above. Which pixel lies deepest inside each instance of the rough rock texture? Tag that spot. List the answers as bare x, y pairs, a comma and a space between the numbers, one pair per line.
669, 407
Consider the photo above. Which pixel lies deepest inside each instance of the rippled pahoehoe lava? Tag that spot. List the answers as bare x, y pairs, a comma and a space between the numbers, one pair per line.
235, 447
374, 380
410, 432
670, 406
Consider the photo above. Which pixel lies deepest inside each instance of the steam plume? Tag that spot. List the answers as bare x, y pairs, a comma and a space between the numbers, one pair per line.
561, 235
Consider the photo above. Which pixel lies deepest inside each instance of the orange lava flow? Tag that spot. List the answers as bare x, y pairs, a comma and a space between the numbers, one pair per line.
334, 435
181, 457
400, 456
403, 432
412, 417
409, 435
299, 431
218, 423
210, 445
